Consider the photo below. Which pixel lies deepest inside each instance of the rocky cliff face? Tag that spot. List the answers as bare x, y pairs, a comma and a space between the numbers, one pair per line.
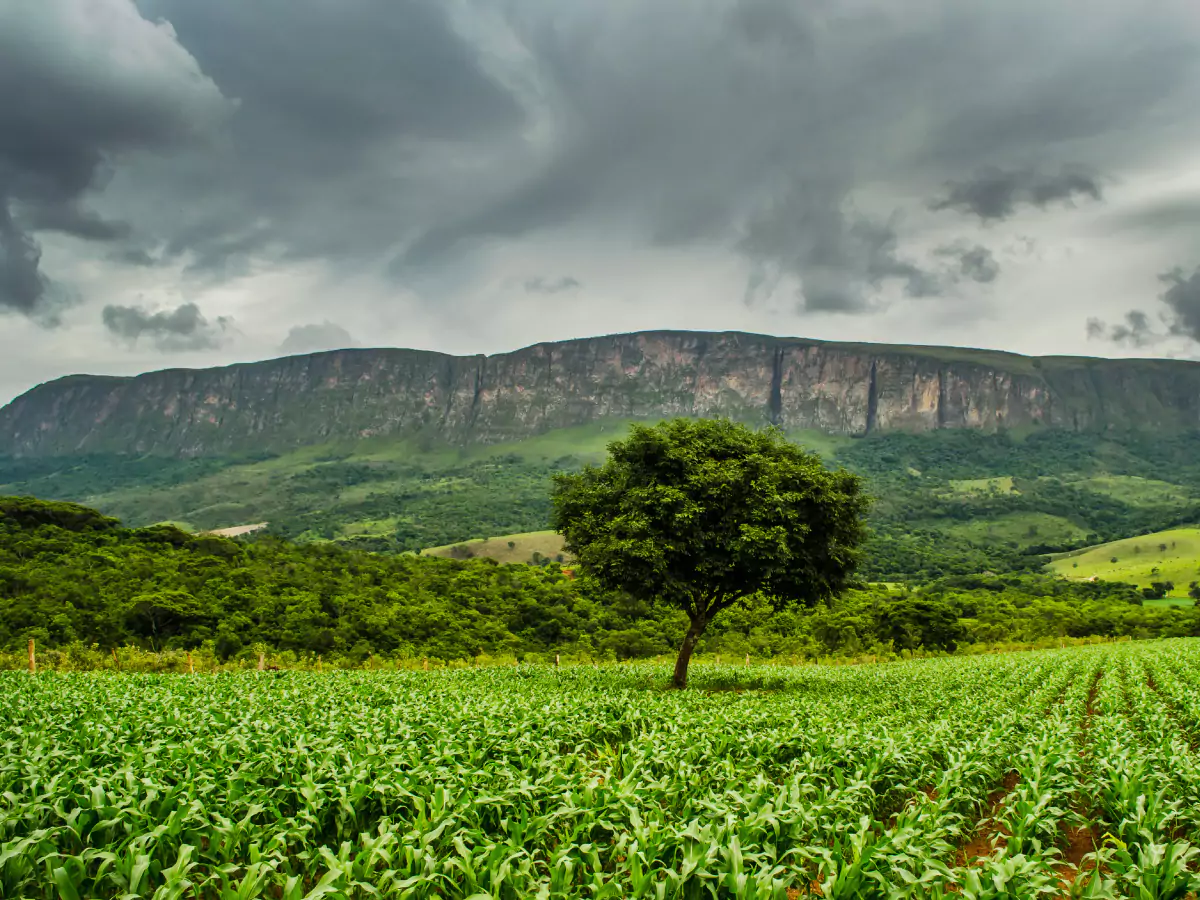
353, 394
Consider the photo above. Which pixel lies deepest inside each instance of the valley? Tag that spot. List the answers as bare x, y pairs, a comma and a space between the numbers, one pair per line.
948, 502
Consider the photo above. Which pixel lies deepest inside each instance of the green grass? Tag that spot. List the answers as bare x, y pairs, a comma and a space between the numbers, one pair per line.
1134, 490
536, 781
1170, 601
1140, 560
1023, 529
999, 485
524, 545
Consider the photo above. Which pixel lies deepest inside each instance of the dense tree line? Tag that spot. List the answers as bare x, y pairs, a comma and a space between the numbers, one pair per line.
69, 574
920, 526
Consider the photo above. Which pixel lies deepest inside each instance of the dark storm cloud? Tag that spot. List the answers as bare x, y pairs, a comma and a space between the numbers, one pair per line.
769, 21
85, 81
996, 193
182, 328
1176, 215
1181, 318
316, 337
973, 262
543, 285
1134, 331
1182, 297
689, 130
341, 108
836, 254
69, 218
410, 134
22, 285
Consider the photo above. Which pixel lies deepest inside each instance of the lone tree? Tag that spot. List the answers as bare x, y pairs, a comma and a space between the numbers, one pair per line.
706, 514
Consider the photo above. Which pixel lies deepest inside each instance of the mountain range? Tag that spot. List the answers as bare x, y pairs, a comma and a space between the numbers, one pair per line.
279, 405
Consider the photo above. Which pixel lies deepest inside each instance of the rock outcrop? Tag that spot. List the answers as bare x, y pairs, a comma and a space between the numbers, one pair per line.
354, 394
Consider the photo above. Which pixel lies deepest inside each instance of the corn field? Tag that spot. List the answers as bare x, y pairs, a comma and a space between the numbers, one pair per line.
1053, 774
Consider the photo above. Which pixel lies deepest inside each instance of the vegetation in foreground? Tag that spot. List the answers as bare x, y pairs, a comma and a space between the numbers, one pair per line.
71, 578
1066, 773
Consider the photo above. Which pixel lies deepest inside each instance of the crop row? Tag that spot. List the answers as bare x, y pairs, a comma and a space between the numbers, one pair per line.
1016, 775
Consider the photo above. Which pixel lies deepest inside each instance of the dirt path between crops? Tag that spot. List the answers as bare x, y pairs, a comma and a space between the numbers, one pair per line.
989, 834
1079, 841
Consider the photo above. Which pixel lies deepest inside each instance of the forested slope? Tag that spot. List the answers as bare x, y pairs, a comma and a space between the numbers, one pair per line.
70, 575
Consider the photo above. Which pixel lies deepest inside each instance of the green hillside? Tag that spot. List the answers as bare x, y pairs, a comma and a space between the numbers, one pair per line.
946, 502
74, 579
1164, 556
530, 547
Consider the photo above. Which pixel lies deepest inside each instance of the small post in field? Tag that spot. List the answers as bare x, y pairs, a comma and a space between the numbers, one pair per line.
191, 667
116, 662
718, 659
556, 660
262, 660
747, 659
32, 659
318, 662
425, 664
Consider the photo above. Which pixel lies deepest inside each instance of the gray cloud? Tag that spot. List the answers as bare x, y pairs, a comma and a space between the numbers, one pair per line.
316, 337
544, 285
765, 141
995, 193
421, 149
837, 255
973, 262
1176, 213
182, 328
85, 82
1182, 297
358, 114
1181, 318
1134, 331
22, 285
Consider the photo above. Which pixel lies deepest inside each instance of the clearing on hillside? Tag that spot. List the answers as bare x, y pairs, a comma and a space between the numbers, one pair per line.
1031, 771
508, 548
1172, 555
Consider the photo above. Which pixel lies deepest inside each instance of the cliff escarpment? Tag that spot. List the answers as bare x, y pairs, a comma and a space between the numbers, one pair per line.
286, 403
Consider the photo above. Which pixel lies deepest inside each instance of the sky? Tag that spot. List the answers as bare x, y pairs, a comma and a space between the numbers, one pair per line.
187, 183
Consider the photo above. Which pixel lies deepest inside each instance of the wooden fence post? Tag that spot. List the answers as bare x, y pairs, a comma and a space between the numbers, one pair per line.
116, 662
262, 660
556, 660
425, 664
191, 667
718, 659
32, 659
318, 662
747, 659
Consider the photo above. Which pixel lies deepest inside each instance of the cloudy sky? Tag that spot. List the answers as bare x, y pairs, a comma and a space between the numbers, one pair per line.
197, 182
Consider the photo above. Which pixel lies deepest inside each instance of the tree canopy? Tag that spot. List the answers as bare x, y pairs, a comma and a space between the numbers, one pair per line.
705, 514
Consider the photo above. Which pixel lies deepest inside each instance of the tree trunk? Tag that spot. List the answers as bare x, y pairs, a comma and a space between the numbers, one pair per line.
694, 632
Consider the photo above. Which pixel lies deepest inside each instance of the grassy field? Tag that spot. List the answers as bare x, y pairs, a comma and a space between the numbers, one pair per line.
943, 777
1164, 556
1000, 485
1023, 529
509, 548
1134, 490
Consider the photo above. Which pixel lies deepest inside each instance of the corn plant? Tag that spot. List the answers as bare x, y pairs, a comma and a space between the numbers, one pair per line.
863, 781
